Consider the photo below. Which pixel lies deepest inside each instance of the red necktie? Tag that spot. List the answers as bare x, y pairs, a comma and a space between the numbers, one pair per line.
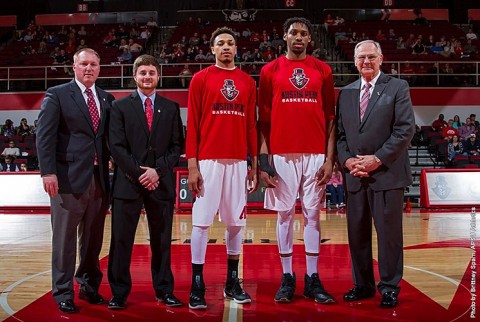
149, 112
92, 108
364, 100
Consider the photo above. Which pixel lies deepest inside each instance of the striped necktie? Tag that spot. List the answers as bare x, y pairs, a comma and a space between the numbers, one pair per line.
364, 100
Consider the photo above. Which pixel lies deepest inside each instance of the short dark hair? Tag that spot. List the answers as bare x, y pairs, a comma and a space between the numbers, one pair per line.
291, 21
145, 60
88, 50
474, 115
219, 31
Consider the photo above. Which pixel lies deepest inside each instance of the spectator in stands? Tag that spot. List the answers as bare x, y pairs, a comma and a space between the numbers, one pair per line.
28, 37
133, 23
152, 23
134, 47
8, 165
470, 49
418, 48
456, 122
23, 167
264, 45
401, 43
473, 118
145, 34
335, 187
210, 57
363, 37
447, 50
82, 45
430, 42
194, 40
410, 41
277, 41
8, 129
11, 150
63, 31
338, 21
254, 73
449, 131
258, 57
134, 33
458, 49
125, 57
471, 35
439, 123
328, 21
24, 128
61, 58
123, 45
393, 70
109, 40
122, 33
42, 48
254, 36
246, 33
189, 55
420, 20
185, 75
70, 48
204, 41
380, 36
200, 57
391, 35
163, 58
408, 73
353, 39
466, 129
82, 33
177, 54
455, 147
55, 52
472, 145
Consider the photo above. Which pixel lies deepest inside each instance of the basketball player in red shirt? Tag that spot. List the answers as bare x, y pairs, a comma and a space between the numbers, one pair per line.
221, 131
297, 148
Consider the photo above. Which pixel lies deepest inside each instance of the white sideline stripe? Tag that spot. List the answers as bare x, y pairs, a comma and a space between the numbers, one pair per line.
4, 295
451, 280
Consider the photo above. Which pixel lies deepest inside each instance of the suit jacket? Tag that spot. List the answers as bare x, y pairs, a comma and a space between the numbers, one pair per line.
133, 145
66, 140
386, 131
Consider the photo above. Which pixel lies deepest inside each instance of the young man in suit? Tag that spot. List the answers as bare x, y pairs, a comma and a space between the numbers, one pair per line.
73, 157
375, 127
146, 140
296, 127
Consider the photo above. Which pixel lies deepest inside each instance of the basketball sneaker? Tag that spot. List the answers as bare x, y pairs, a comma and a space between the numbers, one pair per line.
235, 292
314, 290
287, 289
197, 294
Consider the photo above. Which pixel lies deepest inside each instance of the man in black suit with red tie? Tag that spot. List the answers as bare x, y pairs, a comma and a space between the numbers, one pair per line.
73, 157
146, 140
375, 127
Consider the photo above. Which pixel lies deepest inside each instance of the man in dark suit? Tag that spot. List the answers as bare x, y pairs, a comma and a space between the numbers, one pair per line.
375, 126
73, 157
146, 144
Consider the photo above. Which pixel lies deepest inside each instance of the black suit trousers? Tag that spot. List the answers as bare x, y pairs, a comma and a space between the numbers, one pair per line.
125, 217
386, 209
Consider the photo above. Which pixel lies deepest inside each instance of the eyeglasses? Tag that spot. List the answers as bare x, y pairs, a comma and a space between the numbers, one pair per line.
370, 57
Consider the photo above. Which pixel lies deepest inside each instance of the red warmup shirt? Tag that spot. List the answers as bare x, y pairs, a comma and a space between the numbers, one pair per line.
221, 122
297, 99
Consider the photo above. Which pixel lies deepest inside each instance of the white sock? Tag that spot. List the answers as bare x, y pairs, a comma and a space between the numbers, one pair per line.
198, 244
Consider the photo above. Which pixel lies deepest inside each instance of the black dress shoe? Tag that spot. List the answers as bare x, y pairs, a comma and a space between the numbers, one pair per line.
358, 293
389, 300
117, 303
169, 299
67, 306
91, 297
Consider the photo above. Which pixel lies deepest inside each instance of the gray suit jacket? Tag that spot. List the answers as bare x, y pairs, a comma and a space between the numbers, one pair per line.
386, 131
66, 141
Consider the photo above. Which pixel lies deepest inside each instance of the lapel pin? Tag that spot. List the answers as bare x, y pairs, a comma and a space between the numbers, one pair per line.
378, 93
158, 111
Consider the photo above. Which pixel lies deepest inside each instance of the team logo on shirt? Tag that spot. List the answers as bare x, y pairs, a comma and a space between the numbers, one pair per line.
299, 80
229, 90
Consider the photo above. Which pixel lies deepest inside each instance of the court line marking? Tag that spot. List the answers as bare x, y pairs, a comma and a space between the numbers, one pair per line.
4, 295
